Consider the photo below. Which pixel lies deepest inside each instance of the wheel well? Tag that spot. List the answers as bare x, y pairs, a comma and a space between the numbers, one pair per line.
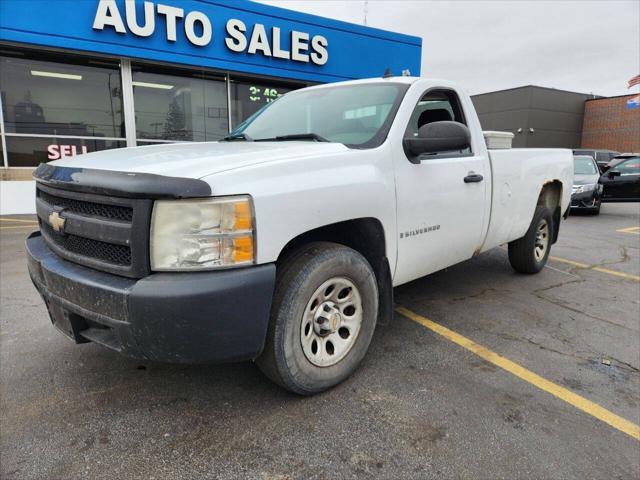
366, 236
551, 197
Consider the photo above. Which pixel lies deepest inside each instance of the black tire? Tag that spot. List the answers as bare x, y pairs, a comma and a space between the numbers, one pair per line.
522, 252
283, 359
596, 210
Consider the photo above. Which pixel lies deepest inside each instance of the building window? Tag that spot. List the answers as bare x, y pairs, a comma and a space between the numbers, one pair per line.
178, 105
58, 105
248, 97
32, 151
60, 101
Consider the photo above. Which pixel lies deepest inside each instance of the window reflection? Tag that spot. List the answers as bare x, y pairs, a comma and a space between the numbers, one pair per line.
83, 98
58, 105
179, 105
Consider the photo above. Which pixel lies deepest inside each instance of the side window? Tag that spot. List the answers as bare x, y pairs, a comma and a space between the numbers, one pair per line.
602, 157
437, 106
628, 167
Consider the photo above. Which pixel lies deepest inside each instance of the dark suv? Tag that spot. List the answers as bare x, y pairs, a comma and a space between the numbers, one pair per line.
619, 159
621, 183
602, 157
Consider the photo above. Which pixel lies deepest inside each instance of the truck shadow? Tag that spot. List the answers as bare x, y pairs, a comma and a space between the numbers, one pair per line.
154, 385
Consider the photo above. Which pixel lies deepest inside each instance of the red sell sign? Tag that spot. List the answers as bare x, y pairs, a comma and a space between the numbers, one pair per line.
56, 152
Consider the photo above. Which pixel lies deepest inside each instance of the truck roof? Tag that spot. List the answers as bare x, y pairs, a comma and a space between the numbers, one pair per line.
395, 79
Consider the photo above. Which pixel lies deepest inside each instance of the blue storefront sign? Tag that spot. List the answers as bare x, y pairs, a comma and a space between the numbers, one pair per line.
239, 35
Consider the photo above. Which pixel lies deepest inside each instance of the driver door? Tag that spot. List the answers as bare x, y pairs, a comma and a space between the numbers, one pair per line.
440, 215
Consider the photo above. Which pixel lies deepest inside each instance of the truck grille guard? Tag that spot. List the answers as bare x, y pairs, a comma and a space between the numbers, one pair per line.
102, 232
100, 219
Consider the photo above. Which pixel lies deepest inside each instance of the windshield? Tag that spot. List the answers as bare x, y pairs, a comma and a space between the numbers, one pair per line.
357, 115
584, 166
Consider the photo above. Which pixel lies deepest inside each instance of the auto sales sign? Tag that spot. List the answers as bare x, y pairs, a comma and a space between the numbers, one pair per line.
235, 36
197, 28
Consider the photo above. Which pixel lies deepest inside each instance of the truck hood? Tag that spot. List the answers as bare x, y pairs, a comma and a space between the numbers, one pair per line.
198, 160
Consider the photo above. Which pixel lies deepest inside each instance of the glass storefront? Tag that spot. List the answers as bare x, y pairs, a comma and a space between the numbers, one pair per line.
32, 151
55, 106
61, 105
44, 97
179, 105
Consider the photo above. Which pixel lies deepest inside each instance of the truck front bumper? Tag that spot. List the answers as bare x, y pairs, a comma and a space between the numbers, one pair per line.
204, 317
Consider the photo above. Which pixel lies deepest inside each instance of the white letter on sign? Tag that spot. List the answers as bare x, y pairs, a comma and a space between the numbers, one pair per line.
190, 29
108, 14
146, 30
236, 29
320, 55
172, 14
259, 40
299, 45
277, 51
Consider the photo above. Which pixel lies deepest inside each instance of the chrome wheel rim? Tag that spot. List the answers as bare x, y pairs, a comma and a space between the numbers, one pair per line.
542, 240
331, 322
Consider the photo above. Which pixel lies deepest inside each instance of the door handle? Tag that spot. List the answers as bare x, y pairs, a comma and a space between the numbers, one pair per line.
473, 178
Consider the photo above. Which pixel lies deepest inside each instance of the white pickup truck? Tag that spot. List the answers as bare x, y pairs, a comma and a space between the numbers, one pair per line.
282, 242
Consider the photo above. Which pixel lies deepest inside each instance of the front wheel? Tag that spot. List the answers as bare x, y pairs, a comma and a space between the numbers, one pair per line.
322, 320
529, 254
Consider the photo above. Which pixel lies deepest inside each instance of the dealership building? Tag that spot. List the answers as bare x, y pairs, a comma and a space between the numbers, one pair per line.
550, 118
612, 123
82, 76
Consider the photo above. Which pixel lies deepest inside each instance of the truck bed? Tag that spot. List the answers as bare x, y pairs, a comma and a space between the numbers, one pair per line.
516, 177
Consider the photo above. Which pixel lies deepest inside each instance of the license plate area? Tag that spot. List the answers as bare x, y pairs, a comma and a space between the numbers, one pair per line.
66, 322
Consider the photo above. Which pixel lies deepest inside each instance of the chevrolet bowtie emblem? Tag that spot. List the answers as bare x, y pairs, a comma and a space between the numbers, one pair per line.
56, 221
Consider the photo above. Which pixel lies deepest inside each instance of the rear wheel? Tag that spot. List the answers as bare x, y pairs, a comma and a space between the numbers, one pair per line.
322, 320
529, 254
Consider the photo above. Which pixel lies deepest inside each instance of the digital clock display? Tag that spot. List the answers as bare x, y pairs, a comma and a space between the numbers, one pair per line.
263, 95
248, 98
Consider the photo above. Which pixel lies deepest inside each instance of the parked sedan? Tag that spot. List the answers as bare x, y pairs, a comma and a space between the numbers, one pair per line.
587, 192
621, 183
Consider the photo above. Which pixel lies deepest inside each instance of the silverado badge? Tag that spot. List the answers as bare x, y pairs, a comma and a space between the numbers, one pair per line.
56, 221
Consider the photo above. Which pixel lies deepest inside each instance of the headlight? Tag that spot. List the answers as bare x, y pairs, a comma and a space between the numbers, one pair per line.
584, 188
202, 234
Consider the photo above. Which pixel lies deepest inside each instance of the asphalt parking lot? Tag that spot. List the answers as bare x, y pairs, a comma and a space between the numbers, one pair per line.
421, 406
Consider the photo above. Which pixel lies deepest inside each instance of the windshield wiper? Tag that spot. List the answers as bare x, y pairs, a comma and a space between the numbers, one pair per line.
297, 136
237, 136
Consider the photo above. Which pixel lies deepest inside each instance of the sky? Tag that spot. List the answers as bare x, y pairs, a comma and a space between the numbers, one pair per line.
586, 46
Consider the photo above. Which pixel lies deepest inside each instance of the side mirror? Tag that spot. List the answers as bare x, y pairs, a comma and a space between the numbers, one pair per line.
613, 173
437, 137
